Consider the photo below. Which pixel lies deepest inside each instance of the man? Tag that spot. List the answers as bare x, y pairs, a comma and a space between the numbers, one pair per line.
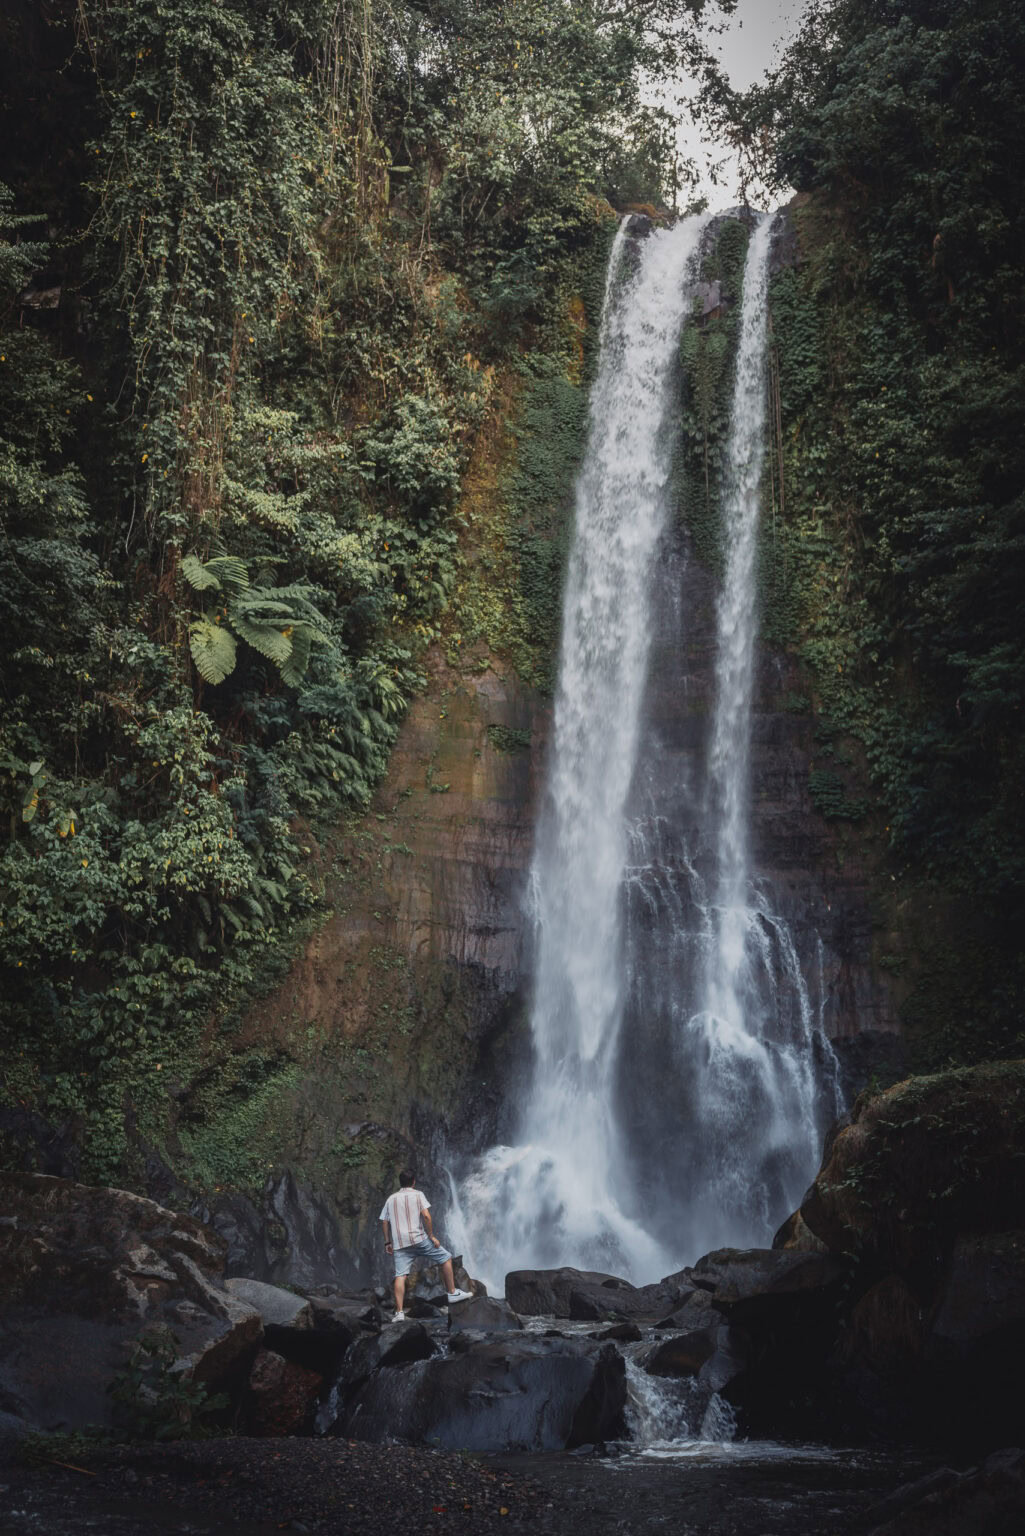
409, 1237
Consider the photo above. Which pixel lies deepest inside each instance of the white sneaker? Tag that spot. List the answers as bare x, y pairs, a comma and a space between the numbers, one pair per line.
459, 1296
400, 1317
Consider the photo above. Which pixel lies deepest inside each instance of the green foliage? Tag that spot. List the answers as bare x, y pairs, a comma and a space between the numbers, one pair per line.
153, 1400
708, 357
295, 244
506, 739
830, 796
900, 565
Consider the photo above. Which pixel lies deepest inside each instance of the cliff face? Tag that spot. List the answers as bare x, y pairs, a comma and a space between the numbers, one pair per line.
412, 997
815, 875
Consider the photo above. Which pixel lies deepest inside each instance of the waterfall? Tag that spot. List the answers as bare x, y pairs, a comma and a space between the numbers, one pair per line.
760, 1059
551, 1199
675, 1101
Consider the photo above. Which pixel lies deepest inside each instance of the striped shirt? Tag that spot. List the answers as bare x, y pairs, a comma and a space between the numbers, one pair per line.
402, 1211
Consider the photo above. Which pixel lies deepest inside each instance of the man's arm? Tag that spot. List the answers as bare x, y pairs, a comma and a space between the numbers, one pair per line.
386, 1229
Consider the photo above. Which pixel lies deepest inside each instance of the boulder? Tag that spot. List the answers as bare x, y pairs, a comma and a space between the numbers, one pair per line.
280, 1396
932, 1155
981, 1297
428, 1285
748, 1282
682, 1354
346, 1312
795, 1233
84, 1273
886, 1330
278, 1308
987, 1501
727, 1369
548, 1292
622, 1333
697, 1311
397, 1344
517, 1393
424, 1311
483, 1313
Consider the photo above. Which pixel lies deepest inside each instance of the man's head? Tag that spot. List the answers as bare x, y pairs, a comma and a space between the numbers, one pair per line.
407, 1177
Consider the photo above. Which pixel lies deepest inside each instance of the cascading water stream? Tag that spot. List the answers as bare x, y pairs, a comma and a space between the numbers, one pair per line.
553, 1197
678, 1094
761, 1062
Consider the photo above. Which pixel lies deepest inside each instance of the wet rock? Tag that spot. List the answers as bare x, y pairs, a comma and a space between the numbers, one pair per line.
747, 1282
548, 1292
84, 1272
518, 1393
424, 1311
683, 1354
726, 1369
428, 1285
397, 1344
621, 1333
347, 1312
483, 1313
697, 1311
989, 1501
280, 1396
604, 1303
278, 1308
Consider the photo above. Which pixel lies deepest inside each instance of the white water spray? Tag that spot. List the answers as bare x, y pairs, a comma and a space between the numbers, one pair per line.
552, 1199
753, 1042
699, 1127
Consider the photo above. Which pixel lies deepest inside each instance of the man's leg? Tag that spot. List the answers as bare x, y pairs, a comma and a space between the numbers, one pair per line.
400, 1291
449, 1277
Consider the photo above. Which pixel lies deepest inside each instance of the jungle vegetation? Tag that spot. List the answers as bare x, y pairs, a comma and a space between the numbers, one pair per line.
900, 572
261, 262
262, 266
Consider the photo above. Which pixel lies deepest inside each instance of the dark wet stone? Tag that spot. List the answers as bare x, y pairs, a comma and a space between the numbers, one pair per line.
520, 1392
483, 1313
547, 1292
622, 1333
683, 1354
397, 1344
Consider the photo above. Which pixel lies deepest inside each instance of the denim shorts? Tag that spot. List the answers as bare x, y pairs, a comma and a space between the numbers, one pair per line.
423, 1252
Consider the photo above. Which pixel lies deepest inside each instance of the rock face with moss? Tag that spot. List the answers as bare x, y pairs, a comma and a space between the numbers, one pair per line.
84, 1273
923, 1195
399, 1033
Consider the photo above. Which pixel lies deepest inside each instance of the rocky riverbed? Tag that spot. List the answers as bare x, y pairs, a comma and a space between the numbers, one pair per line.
888, 1314
255, 1487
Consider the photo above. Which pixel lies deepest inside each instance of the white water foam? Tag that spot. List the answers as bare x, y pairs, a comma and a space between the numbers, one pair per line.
552, 1198
628, 917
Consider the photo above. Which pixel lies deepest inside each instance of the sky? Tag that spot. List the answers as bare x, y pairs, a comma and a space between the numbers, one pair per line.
750, 45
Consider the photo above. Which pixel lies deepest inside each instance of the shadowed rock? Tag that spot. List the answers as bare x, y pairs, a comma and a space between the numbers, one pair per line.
84, 1273
517, 1393
280, 1396
483, 1313
282, 1309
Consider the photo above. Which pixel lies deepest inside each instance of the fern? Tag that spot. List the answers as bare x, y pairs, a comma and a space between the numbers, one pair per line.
294, 669
213, 649
265, 638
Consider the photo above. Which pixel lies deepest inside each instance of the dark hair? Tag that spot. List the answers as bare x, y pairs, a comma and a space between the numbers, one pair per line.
407, 1177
